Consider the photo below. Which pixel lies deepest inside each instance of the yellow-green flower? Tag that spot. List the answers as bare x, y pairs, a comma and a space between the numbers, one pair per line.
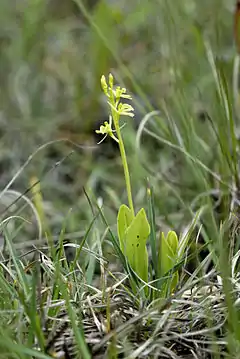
106, 130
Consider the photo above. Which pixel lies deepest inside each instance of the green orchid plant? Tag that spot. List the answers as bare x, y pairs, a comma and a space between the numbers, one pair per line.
134, 229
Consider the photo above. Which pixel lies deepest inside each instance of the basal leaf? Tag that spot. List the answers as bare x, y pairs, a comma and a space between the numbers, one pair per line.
167, 252
136, 238
167, 258
172, 242
124, 220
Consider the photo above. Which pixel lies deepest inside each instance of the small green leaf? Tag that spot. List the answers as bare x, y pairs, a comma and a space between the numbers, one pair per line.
167, 257
133, 233
124, 220
172, 241
167, 252
136, 238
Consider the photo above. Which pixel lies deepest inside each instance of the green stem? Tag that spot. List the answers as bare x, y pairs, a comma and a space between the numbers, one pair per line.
115, 116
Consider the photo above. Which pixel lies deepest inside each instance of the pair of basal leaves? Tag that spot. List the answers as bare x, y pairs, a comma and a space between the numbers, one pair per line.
133, 232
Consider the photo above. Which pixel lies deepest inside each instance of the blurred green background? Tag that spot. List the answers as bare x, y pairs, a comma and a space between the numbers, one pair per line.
52, 55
